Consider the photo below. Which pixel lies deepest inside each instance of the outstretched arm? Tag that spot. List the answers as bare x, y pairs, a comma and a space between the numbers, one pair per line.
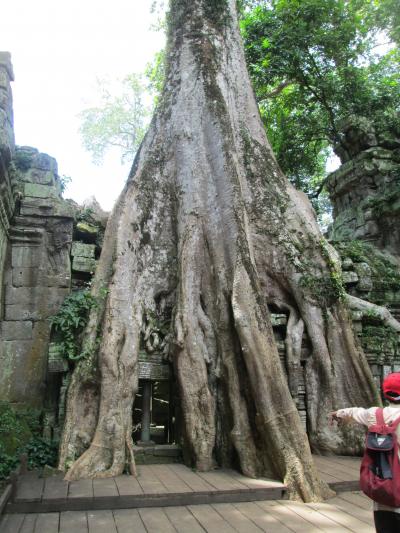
356, 414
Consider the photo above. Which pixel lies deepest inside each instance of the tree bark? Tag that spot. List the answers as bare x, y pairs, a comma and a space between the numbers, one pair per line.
206, 233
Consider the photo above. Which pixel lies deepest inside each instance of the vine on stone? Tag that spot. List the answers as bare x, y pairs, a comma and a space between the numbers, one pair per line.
70, 321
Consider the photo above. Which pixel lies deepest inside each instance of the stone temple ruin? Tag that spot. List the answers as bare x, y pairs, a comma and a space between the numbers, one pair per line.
49, 247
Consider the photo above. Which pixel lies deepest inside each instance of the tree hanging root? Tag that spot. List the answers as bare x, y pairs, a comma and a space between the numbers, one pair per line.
378, 310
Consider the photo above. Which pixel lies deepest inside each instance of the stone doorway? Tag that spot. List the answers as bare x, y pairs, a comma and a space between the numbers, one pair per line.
154, 413
155, 429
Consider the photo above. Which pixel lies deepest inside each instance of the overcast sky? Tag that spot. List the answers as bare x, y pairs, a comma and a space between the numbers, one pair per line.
59, 48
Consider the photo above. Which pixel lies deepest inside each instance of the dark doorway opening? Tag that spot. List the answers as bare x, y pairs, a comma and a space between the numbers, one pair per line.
154, 413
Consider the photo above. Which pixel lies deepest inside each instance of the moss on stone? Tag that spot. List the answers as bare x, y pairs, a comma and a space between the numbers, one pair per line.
380, 339
23, 160
385, 274
386, 203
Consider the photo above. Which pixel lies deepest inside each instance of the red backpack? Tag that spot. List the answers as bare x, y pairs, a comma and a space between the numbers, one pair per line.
380, 466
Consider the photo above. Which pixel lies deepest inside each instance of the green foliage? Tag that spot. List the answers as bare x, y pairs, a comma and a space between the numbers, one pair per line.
7, 463
313, 63
86, 215
14, 428
325, 288
119, 121
70, 321
64, 182
322, 288
41, 452
381, 339
155, 74
388, 17
20, 430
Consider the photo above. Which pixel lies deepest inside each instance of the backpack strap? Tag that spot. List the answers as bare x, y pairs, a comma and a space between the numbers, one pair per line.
379, 417
395, 423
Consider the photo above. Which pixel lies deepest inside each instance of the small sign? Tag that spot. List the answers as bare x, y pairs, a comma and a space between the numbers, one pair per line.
154, 371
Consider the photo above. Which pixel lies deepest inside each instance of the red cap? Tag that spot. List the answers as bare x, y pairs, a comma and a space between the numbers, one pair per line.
391, 386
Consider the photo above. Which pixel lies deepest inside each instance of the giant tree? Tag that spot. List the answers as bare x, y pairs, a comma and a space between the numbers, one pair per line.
206, 234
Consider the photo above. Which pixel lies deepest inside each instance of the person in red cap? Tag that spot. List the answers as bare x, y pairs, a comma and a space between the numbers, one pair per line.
387, 519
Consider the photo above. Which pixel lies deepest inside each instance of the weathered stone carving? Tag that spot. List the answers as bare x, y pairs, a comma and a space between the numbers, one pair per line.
153, 364
365, 190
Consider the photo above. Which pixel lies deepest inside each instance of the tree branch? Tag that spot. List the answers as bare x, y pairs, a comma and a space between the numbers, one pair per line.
316, 194
278, 89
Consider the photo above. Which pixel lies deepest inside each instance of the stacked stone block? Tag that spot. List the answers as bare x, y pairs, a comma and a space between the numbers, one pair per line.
380, 344
365, 193
37, 276
83, 255
365, 190
7, 146
279, 324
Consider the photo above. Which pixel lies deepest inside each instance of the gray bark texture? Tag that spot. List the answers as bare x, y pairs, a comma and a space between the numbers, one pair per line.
209, 232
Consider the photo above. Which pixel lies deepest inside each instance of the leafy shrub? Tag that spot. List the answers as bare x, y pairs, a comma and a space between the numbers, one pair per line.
69, 322
20, 432
86, 215
7, 463
14, 429
64, 182
40, 452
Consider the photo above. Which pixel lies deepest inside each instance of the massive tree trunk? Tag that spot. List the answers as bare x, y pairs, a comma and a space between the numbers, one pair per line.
206, 234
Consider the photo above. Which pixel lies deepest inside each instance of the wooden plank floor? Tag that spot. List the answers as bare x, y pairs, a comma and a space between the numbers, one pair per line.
165, 485
348, 512
155, 486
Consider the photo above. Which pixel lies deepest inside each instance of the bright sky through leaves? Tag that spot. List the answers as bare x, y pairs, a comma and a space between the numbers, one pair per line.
59, 48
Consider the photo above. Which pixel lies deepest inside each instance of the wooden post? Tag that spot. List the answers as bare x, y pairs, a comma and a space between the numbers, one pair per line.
13, 481
23, 459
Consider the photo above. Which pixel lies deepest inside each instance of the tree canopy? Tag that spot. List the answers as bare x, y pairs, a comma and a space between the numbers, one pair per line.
314, 63
120, 119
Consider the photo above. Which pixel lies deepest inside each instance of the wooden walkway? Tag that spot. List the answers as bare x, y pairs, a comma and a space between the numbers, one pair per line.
155, 486
347, 512
172, 497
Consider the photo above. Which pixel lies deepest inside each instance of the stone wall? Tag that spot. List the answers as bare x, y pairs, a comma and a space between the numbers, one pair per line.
37, 275
39, 265
365, 193
365, 190
89, 225
7, 145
